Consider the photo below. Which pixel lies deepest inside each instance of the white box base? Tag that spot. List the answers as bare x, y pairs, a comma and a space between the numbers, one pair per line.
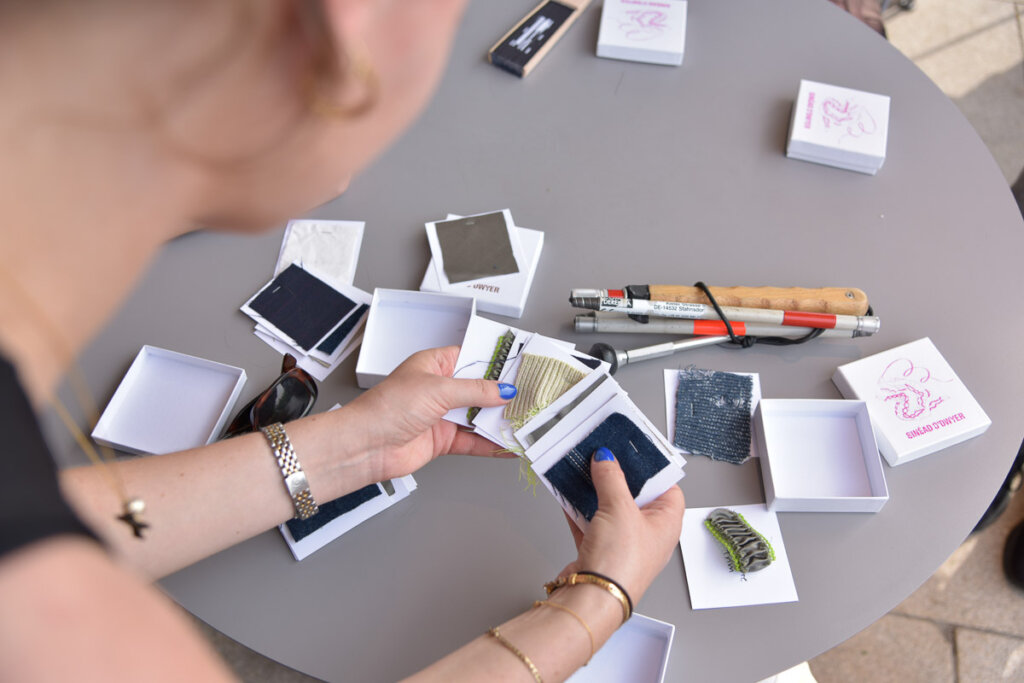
402, 322
637, 652
819, 456
169, 402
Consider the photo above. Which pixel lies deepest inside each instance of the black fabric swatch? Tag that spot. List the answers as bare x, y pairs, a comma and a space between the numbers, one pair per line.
476, 247
302, 306
300, 528
330, 344
639, 458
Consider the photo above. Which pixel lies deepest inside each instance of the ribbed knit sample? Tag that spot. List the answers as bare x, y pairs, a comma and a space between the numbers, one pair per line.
539, 381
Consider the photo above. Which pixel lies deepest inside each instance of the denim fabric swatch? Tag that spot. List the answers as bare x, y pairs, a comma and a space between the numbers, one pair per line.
713, 414
301, 305
330, 344
639, 458
300, 528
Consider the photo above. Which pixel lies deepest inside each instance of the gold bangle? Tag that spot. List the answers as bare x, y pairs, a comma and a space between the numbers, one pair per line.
517, 652
597, 580
565, 609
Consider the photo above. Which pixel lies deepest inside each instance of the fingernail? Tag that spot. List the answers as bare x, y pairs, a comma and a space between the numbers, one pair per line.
602, 454
506, 390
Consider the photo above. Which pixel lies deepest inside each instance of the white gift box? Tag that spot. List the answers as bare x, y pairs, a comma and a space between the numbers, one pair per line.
652, 31
917, 403
819, 456
839, 127
637, 652
169, 402
402, 322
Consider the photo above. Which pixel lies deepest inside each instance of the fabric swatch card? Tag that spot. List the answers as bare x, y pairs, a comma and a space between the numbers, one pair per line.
299, 313
329, 248
479, 356
299, 307
542, 369
561, 457
340, 515
712, 421
475, 248
710, 576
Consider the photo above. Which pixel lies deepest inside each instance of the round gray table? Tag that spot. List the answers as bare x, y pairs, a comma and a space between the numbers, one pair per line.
637, 174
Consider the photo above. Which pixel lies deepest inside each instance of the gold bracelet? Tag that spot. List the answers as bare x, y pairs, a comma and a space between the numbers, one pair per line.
517, 652
565, 609
617, 591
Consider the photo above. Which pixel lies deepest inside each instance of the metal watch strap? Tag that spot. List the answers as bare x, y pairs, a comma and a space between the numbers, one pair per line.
294, 478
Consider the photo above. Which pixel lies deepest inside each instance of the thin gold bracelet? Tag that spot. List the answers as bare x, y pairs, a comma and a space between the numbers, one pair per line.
565, 609
617, 591
517, 652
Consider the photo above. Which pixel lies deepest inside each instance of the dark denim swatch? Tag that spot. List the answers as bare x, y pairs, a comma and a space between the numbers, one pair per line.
300, 528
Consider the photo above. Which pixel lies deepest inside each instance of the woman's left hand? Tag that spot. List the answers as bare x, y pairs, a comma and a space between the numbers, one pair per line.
400, 420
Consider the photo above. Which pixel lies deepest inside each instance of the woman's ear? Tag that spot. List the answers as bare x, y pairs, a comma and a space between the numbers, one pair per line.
347, 19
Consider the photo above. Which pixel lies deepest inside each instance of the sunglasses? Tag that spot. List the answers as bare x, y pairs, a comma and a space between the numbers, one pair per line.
290, 397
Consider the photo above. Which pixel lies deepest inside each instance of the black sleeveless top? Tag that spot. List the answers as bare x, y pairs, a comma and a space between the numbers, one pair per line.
31, 506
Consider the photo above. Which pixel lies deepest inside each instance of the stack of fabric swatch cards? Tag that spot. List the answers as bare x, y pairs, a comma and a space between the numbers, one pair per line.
484, 256
338, 516
567, 406
301, 313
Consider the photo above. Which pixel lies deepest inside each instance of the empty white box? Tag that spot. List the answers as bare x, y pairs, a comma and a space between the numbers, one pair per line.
652, 31
819, 456
402, 322
839, 127
169, 402
918, 405
637, 652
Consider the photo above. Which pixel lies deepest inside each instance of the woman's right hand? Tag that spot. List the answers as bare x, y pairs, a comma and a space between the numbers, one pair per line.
624, 542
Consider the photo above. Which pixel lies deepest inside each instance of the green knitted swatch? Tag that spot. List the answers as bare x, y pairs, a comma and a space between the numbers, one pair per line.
539, 381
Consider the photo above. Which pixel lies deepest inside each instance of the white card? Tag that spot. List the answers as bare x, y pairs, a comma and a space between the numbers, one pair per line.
329, 247
709, 575
496, 280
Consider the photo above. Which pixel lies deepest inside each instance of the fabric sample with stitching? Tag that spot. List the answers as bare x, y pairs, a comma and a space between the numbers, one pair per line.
539, 381
302, 306
639, 458
494, 368
748, 550
300, 528
713, 414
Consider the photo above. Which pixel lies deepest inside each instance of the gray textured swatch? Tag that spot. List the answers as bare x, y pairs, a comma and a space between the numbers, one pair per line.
476, 247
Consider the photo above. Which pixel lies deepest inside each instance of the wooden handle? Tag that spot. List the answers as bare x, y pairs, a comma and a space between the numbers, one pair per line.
835, 300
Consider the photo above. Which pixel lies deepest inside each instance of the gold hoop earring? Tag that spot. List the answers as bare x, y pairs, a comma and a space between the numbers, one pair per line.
359, 70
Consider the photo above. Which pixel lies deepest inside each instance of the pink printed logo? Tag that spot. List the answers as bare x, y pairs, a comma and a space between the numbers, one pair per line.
643, 24
848, 116
911, 391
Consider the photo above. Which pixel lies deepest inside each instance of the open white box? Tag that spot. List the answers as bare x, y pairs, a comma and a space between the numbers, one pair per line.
169, 402
402, 322
819, 456
637, 652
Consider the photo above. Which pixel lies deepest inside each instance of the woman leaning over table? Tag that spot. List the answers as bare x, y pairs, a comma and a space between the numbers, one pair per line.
124, 124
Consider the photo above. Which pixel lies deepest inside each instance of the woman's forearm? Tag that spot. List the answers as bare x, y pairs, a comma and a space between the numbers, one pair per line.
553, 639
201, 501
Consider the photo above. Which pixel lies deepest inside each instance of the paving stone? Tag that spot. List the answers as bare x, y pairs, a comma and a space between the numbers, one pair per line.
894, 649
985, 657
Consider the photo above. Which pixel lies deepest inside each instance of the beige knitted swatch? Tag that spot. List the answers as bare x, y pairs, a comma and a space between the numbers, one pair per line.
539, 381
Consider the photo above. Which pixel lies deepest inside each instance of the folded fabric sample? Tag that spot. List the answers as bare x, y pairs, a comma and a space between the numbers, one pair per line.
748, 550
539, 381
713, 414
639, 458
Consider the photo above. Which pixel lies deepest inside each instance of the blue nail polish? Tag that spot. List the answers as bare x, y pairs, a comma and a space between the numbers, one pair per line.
506, 390
602, 454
